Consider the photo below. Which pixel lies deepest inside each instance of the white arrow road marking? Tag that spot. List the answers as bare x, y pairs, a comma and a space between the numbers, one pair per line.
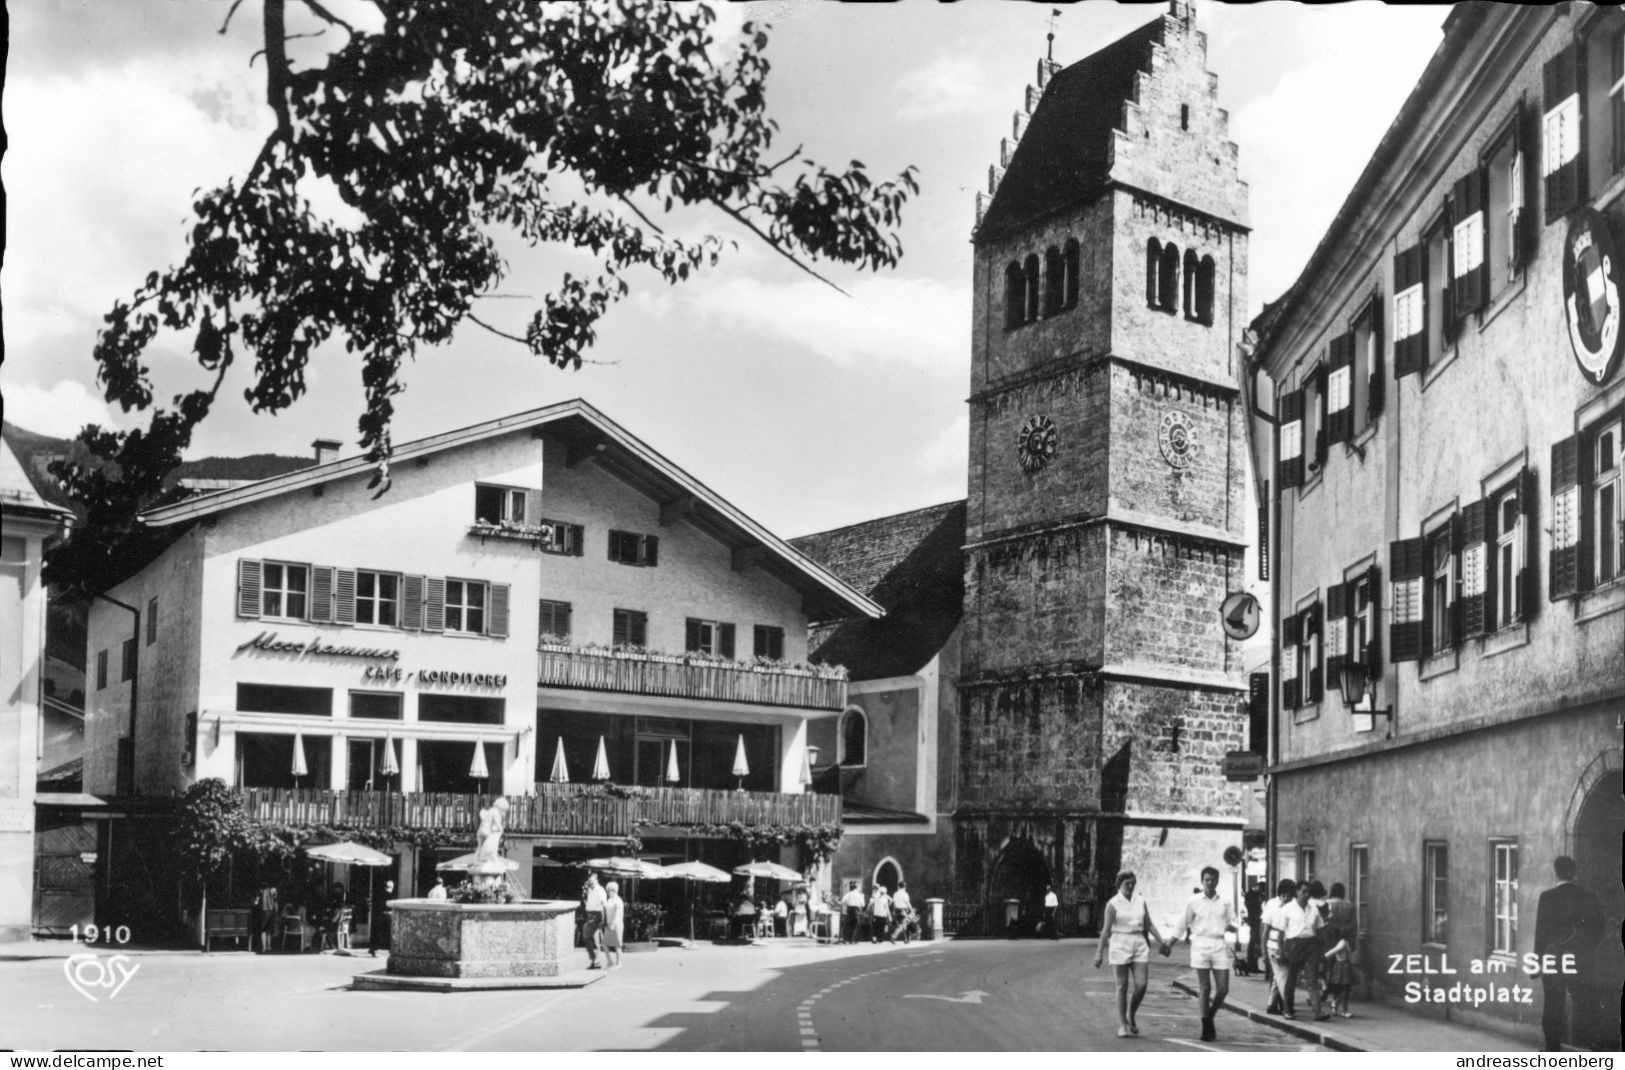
964, 997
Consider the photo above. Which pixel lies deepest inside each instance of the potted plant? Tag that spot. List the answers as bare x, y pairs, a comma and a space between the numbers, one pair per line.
642, 925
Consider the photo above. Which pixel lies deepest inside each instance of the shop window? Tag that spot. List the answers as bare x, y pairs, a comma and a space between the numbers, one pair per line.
1435, 893
554, 620
285, 590
264, 760
1504, 897
1588, 515
631, 628
854, 738
460, 709
709, 637
281, 698
377, 598
629, 548
769, 642
376, 705
1360, 884
127, 661
500, 505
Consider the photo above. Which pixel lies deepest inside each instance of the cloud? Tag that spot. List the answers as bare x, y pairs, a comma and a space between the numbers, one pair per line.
61, 409
948, 85
946, 453
916, 323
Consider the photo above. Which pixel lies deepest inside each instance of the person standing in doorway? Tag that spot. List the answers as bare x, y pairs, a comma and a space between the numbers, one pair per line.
1568, 924
614, 923
1127, 929
592, 901
1207, 920
1052, 913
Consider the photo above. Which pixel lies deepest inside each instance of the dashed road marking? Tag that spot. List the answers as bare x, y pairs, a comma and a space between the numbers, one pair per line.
809, 1033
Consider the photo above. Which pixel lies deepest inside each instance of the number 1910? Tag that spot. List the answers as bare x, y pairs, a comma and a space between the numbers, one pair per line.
91, 934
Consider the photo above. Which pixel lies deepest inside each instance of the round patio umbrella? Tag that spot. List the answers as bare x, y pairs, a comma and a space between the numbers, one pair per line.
463, 862
620, 866
299, 756
600, 765
741, 767
560, 774
770, 870
349, 854
696, 871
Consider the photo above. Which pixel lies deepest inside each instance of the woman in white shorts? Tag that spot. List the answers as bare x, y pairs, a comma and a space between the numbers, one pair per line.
1127, 930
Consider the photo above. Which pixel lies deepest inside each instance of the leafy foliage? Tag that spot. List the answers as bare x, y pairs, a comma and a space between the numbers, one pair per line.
818, 843
470, 892
210, 827
568, 124
643, 920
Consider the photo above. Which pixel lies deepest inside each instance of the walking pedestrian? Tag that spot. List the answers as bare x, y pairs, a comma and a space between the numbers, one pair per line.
902, 913
1127, 928
1300, 943
614, 921
267, 916
880, 915
1254, 903
1338, 964
851, 912
1568, 924
592, 901
1052, 910
1207, 920
1285, 891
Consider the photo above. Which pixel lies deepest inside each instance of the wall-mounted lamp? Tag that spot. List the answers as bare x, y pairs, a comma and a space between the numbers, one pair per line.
1359, 696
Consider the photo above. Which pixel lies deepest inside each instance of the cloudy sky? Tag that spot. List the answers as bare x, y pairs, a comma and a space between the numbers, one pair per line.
807, 409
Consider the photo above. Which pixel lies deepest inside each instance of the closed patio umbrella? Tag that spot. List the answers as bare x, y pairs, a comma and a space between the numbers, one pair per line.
672, 772
741, 767
388, 766
299, 769
806, 769
560, 774
477, 770
600, 765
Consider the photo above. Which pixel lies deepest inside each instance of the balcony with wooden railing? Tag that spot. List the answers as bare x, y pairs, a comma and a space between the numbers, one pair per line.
555, 809
687, 676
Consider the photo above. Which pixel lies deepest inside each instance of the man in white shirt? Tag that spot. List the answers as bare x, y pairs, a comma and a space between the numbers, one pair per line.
1052, 911
1206, 921
1270, 924
592, 898
439, 889
1300, 922
901, 907
851, 909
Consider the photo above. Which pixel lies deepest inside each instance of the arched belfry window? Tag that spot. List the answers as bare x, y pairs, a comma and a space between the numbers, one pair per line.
1069, 264
1168, 279
1153, 273
1189, 291
1054, 281
1205, 278
1031, 267
854, 737
1015, 296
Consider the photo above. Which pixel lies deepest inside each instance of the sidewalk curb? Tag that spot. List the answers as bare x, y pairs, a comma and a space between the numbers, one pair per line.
1334, 1041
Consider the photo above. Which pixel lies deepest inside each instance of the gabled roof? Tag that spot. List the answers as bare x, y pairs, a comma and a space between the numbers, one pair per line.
912, 564
18, 493
588, 435
1066, 152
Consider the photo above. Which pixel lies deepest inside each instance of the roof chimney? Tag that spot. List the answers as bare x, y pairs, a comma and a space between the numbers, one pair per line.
327, 449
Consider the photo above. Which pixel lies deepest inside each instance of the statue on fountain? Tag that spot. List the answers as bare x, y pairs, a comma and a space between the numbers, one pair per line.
488, 867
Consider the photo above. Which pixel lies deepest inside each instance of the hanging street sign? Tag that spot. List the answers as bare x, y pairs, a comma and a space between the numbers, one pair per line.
1239, 615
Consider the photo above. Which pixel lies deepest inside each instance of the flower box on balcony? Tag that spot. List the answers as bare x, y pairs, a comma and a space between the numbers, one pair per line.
539, 536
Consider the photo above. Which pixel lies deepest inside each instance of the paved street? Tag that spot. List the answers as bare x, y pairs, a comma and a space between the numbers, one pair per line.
786, 996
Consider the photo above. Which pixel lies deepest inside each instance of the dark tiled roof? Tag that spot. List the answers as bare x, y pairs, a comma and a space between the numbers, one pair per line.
858, 813
913, 565
1065, 153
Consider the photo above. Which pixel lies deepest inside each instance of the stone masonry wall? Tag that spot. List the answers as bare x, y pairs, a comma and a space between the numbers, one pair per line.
1032, 744
1164, 749
1163, 596
1036, 600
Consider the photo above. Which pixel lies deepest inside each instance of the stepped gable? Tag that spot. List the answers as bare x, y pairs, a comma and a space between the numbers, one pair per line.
913, 565
1066, 149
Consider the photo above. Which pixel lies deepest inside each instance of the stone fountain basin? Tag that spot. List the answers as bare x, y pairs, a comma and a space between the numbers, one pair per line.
436, 938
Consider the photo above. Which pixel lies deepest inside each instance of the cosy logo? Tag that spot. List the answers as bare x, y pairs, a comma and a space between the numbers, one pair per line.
87, 972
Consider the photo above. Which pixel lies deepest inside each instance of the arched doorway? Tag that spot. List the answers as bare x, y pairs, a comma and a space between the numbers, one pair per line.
1021, 873
887, 874
1599, 829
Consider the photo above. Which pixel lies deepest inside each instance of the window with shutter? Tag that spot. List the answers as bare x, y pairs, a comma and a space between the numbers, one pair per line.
465, 605
554, 620
1310, 652
1562, 163
434, 604
1405, 564
412, 596
1570, 488
1503, 532
1475, 571
344, 590
248, 587
769, 642
1340, 390
496, 619
1372, 591
1317, 388
1436, 294
1467, 276
284, 590
1410, 313
1289, 451
630, 628
1337, 631
1365, 391
1530, 581
1291, 635
1606, 524
1441, 609
321, 593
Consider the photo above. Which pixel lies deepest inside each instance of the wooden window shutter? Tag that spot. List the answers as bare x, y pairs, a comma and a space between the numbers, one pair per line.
1291, 686
1524, 233
1289, 444
1376, 375
1469, 271
1405, 561
434, 604
1373, 645
1315, 632
1340, 390
344, 596
1529, 498
496, 617
321, 593
1264, 532
533, 506
1455, 533
1410, 313
1447, 293
577, 540
249, 587
1569, 493
1318, 376
691, 634
1336, 650
1477, 571
412, 602
1562, 150
650, 548
725, 640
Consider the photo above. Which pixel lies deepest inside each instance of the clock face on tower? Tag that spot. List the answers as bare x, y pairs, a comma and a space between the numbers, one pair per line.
1035, 445
1177, 438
